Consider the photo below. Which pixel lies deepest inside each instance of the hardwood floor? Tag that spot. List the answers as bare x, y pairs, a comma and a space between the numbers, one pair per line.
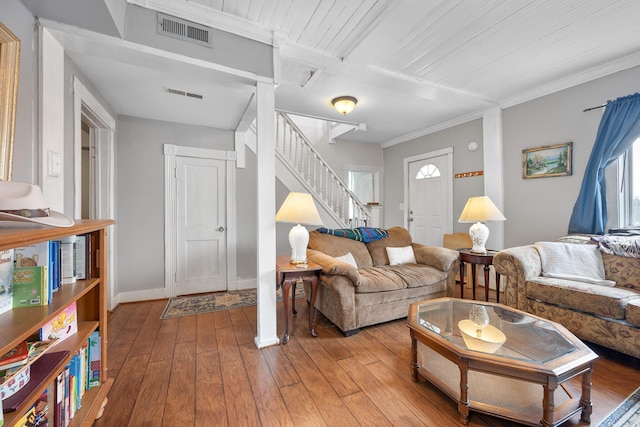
205, 370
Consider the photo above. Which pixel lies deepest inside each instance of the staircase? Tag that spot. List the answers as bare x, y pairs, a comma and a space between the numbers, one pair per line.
296, 154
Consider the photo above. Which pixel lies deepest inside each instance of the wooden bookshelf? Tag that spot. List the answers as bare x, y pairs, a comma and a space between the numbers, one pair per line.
90, 296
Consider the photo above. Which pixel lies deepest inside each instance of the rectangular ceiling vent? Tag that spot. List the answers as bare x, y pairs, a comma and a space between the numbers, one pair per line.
183, 93
184, 30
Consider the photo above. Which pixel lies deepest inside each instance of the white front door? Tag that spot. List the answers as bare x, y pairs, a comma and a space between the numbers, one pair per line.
429, 203
201, 225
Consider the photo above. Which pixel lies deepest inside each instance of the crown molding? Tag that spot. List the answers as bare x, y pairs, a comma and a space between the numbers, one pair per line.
575, 79
433, 129
207, 16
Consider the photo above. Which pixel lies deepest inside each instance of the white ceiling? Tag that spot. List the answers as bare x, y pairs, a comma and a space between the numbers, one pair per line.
415, 65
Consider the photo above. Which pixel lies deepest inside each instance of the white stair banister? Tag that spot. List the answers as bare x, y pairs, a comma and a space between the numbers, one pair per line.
315, 174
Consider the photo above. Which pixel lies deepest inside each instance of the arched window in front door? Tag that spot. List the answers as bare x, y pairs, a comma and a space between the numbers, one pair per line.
428, 171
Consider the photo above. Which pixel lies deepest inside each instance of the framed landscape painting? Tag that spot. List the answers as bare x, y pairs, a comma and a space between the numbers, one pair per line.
547, 161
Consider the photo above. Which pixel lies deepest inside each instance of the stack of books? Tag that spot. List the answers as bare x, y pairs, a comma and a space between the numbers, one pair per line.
31, 275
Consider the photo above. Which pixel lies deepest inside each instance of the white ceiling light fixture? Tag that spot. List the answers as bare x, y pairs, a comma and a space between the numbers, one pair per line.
344, 104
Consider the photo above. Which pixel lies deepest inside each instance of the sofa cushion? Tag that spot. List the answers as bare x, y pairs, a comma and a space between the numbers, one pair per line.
633, 312
376, 279
417, 275
398, 237
338, 246
624, 270
599, 300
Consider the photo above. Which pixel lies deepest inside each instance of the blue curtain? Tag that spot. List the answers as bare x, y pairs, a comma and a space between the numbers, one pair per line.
619, 128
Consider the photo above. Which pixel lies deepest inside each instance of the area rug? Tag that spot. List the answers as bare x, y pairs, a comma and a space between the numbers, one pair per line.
627, 414
207, 303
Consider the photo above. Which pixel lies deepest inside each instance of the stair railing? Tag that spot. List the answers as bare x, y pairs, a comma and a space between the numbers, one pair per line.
298, 154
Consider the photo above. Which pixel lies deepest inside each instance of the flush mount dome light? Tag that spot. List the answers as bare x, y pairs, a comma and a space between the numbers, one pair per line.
344, 104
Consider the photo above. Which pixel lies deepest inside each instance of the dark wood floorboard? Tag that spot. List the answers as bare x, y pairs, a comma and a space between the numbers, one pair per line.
205, 371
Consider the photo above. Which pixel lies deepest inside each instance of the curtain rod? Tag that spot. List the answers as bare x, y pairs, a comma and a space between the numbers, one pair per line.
594, 108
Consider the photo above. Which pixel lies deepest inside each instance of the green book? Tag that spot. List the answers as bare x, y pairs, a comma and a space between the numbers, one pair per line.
29, 286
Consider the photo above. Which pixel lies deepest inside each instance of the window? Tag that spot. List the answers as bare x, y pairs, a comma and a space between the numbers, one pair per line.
428, 171
630, 186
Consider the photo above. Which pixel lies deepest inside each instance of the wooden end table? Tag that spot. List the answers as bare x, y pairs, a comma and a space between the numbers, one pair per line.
474, 258
289, 275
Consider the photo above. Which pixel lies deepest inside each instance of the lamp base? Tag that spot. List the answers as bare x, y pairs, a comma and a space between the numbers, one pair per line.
479, 234
298, 240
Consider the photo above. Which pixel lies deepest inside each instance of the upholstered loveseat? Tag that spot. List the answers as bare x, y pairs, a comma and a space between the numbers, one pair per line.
603, 312
366, 289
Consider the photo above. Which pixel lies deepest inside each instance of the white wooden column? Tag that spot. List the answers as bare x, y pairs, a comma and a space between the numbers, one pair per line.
493, 172
266, 212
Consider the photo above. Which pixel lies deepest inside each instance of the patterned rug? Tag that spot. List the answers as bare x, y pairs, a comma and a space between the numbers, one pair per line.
627, 414
206, 303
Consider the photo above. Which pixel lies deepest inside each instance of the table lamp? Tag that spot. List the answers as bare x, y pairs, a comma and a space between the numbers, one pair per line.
478, 210
299, 208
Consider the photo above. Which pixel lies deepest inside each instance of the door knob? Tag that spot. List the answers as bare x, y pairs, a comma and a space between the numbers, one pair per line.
221, 228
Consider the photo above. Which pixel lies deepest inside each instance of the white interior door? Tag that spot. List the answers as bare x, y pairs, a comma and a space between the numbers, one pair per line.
201, 225
429, 202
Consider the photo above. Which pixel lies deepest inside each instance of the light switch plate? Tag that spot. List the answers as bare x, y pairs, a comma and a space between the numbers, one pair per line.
53, 161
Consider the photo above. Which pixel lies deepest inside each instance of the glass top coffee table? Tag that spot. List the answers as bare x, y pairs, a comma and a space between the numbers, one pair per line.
501, 361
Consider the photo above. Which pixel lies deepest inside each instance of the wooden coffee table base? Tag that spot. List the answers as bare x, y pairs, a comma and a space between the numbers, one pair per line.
498, 392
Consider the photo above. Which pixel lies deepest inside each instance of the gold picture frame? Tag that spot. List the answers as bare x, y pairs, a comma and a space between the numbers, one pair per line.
9, 71
547, 161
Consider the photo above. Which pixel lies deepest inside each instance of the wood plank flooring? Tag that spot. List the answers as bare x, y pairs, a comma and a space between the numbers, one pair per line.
205, 370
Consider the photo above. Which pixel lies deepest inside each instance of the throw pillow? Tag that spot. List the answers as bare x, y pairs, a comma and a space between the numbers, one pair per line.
579, 262
349, 259
402, 255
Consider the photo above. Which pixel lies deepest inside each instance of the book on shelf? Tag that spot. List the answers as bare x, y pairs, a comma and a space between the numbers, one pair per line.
68, 259
6, 278
30, 286
62, 326
58, 409
17, 356
55, 263
82, 256
38, 254
38, 414
40, 370
95, 357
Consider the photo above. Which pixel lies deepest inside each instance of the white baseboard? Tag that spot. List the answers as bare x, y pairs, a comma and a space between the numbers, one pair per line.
151, 294
135, 296
247, 284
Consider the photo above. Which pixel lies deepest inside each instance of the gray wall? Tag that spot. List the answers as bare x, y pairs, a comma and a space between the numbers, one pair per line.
536, 209
539, 209
140, 194
458, 138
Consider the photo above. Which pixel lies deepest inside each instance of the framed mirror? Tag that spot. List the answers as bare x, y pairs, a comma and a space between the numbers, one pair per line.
9, 68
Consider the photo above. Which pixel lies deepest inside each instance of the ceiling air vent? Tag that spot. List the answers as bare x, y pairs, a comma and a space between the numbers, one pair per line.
184, 30
183, 93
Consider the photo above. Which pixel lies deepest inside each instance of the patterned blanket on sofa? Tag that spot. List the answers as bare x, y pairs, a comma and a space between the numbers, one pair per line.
626, 246
361, 234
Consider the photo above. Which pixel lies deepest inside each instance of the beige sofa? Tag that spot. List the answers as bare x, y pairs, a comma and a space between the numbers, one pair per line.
374, 291
605, 315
